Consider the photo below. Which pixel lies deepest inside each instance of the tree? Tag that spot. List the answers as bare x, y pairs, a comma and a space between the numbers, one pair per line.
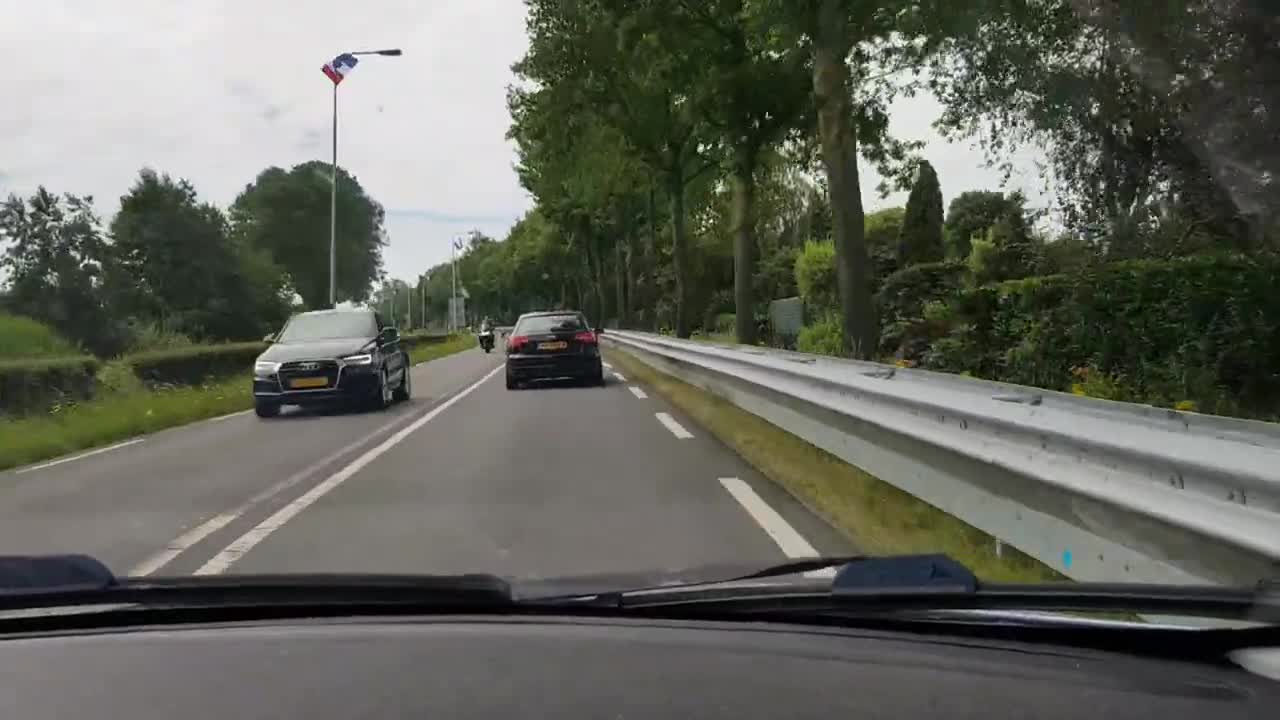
971, 214
54, 262
920, 240
883, 229
286, 214
609, 57
173, 261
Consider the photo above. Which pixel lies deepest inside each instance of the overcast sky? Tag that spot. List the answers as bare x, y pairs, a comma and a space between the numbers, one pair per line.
216, 91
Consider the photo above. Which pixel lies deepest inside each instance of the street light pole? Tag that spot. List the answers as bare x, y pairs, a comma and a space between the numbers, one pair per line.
453, 301
333, 178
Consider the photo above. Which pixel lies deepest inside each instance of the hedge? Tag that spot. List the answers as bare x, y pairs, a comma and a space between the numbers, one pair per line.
903, 302
1200, 333
35, 385
413, 340
195, 364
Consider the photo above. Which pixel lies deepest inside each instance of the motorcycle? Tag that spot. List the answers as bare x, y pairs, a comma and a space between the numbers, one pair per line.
486, 340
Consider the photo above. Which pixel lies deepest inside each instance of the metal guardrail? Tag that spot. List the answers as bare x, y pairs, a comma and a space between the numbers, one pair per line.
1098, 490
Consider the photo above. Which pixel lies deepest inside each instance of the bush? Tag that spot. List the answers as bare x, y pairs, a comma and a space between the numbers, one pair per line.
412, 340
906, 329
36, 385
195, 364
1201, 331
825, 337
149, 337
23, 337
816, 277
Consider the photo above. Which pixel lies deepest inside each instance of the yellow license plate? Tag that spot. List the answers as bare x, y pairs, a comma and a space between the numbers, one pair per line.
308, 382
560, 345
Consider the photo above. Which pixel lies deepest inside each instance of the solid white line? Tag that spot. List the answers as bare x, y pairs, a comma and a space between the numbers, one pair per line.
81, 456
236, 550
676, 428
620, 377
220, 418
792, 543
186, 540
607, 365
638, 392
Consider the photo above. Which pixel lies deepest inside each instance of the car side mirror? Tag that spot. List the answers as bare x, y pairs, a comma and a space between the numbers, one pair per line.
599, 331
269, 338
388, 335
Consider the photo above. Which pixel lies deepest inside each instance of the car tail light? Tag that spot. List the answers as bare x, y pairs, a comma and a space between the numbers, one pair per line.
586, 337
515, 342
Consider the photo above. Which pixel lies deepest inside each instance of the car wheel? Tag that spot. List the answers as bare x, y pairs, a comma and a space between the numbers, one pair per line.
266, 408
405, 390
598, 378
511, 382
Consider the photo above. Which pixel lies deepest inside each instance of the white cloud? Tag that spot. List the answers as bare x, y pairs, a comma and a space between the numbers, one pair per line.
215, 92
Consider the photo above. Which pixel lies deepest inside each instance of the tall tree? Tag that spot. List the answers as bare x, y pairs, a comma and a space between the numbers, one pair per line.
287, 215
920, 240
174, 262
972, 213
54, 262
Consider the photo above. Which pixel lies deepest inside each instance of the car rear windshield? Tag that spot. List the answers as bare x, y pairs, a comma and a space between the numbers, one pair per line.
549, 323
329, 325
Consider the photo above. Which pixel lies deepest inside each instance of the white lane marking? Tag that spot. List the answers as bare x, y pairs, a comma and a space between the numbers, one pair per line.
607, 365
620, 377
638, 392
81, 456
220, 418
188, 539
676, 428
237, 549
791, 542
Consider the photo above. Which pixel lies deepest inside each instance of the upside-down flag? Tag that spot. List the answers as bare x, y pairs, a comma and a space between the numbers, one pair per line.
340, 67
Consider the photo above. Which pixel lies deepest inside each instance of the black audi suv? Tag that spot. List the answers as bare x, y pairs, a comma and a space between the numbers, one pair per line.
332, 356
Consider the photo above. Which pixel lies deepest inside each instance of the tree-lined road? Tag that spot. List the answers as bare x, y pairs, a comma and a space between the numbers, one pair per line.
542, 482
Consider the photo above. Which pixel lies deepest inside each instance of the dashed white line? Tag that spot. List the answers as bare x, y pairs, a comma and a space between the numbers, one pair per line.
638, 392
620, 377
81, 456
185, 541
236, 550
676, 428
789, 541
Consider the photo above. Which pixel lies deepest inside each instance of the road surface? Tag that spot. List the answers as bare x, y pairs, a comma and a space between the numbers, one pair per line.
468, 476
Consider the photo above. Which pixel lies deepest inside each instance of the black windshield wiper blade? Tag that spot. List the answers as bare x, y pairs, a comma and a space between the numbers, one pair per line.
67, 580
936, 582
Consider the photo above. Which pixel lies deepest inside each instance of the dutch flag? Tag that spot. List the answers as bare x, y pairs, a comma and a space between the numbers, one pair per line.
340, 67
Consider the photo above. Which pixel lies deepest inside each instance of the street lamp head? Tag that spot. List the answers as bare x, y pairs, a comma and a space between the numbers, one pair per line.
392, 52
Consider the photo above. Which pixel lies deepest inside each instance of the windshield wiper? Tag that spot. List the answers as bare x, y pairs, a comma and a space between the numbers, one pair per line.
915, 583
28, 582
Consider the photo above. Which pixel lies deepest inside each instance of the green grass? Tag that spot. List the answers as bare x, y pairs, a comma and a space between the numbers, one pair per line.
23, 337
127, 410
116, 417
433, 351
877, 517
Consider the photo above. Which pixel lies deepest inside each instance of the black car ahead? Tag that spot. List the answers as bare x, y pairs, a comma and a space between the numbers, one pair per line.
553, 344
328, 356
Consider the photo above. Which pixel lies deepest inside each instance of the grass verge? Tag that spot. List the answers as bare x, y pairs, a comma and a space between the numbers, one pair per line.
116, 417
433, 351
128, 410
877, 517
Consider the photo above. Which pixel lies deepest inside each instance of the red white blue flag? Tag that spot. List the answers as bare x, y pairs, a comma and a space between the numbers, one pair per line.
340, 67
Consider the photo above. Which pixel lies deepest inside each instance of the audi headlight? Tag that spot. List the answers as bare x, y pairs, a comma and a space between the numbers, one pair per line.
265, 367
361, 359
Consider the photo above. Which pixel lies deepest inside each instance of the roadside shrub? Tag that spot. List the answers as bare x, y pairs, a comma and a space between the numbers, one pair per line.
149, 337
816, 277
1202, 332
906, 331
413, 340
195, 364
824, 337
24, 337
37, 385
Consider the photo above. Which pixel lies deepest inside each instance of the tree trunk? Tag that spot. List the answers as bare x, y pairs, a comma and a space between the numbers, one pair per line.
649, 299
840, 156
675, 191
620, 279
743, 222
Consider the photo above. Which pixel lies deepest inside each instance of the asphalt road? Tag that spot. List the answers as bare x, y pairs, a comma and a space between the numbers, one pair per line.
468, 476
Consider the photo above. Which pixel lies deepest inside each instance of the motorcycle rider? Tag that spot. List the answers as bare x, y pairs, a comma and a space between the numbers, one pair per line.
486, 333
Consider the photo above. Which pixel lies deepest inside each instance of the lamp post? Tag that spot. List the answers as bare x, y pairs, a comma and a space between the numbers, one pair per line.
337, 69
